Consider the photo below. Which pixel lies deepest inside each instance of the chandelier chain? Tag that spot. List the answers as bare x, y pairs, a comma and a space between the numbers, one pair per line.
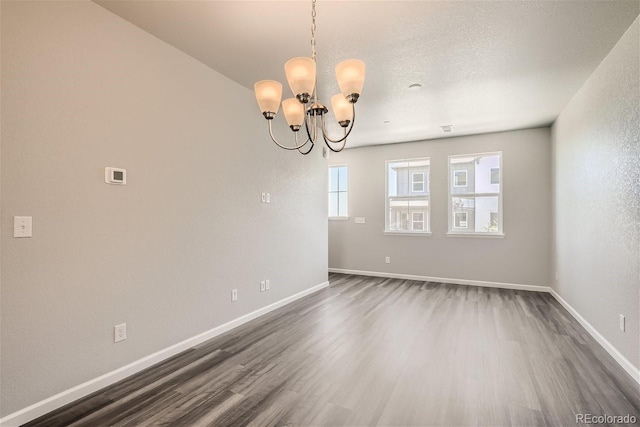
313, 30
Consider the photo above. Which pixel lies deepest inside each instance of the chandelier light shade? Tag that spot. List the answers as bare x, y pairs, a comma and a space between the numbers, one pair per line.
294, 112
341, 108
350, 75
301, 75
268, 94
304, 108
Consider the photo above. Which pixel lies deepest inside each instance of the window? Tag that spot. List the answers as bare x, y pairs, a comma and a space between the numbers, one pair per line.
475, 194
417, 182
338, 178
460, 220
417, 221
459, 178
495, 175
407, 207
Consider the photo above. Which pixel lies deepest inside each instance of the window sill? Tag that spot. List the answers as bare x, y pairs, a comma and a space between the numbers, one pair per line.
404, 233
338, 218
480, 235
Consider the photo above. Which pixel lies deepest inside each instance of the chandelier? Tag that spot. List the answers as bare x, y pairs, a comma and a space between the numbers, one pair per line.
305, 108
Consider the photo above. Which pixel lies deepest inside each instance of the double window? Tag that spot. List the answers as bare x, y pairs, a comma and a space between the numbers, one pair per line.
338, 180
475, 194
407, 204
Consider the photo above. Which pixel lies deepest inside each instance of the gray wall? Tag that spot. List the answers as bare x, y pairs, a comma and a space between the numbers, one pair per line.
521, 257
596, 151
81, 90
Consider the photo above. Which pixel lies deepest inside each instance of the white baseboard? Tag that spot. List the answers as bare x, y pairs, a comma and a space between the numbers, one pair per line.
633, 371
521, 287
59, 400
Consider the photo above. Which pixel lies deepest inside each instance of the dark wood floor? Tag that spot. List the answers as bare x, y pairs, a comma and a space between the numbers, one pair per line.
374, 351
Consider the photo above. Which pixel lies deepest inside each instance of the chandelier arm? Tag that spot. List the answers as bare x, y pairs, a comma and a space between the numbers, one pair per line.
335, 150
297, 147
306, 152
347, 132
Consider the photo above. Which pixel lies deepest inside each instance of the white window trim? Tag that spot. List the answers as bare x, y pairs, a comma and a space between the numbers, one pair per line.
456, 232
386, 203
413, 182
344, 217
478, 235
466, 178
406, 233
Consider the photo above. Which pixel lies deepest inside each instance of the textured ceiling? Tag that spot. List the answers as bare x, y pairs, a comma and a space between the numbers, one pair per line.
484, 66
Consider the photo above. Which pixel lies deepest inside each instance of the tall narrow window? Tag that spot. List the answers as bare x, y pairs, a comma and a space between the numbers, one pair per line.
475, 194
408, 196
338, 180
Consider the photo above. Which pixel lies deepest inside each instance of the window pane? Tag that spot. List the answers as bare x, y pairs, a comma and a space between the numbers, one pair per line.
475, 193
333, 204
333, 178
407, 195
342, 182
398, 214
485, 207
484, 174
342, 204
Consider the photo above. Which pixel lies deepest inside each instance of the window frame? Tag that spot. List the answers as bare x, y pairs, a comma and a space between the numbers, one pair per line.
413, 182
460, 232
338, 217
427, 197
466, 178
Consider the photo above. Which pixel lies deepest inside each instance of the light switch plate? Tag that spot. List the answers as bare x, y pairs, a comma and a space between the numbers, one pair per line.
22, 226
120, 332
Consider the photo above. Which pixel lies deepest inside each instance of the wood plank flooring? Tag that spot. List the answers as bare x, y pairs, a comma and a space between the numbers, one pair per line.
375, 351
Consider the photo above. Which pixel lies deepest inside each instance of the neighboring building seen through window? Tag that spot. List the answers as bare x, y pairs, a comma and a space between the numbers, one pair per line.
475, 194
408, 196
338, 180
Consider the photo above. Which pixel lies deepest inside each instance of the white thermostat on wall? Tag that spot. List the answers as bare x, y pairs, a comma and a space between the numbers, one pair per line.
115, 176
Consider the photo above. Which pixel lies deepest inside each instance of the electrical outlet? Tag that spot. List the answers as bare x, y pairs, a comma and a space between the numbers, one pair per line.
622, 323
262, 286
234, 295
120, 332
267, 284
264, 197
387, 260
268, 198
